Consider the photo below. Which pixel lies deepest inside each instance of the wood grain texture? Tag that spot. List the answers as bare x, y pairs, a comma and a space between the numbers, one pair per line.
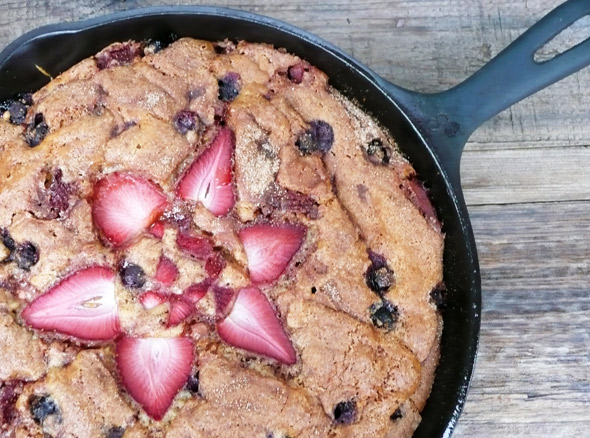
524, 176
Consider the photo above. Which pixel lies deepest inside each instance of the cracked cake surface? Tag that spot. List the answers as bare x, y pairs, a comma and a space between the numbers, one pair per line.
207, 240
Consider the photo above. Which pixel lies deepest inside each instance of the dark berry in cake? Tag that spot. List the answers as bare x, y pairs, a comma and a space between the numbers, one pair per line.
378, 152
319, 137
397, 414
229, 87
345, 412
27, 255
379, 276
115, 432
9, 244
132, 275
438, 295
384, 315
185, 121
42, 407
36, 131
192, 384
17, 111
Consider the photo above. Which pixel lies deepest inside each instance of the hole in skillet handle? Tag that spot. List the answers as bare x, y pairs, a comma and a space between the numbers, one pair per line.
567, 39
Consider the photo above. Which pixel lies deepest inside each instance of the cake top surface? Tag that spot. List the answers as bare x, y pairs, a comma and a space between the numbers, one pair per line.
208, 240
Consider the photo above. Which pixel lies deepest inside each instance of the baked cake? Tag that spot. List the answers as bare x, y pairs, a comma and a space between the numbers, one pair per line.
207, 240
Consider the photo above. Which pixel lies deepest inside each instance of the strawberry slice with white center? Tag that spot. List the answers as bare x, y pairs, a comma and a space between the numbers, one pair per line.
154, 369
269, 249
125, 205
209, 179
152, 299
253, 325
82, 305
166, 271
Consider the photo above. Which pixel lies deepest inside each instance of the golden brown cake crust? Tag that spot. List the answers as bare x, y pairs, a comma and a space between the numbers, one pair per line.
354, 300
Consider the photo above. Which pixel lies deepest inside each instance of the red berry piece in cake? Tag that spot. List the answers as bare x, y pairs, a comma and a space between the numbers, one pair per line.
418, 194
166, 271
195, 292
224, 297
118, 54
151, 299
209, 179
318, 137
295, 72
180, 310
379, 276
280, 202
345, 412
269, 249
185, 121
54, 198
153, 370
214, 265
157, 230
125, 205
253, 326
9, 393
229, 87
82, 305
36, 131
198, 247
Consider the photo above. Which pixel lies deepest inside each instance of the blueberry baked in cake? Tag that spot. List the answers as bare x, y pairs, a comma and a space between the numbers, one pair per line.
207, 240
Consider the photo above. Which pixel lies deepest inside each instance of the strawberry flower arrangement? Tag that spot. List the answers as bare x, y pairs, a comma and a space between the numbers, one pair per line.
126, 206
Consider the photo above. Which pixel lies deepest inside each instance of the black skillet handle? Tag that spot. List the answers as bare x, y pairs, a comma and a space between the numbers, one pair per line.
447, 119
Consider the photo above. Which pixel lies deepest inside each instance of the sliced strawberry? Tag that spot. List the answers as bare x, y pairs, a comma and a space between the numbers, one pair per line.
195, 292
154, 369
253, 325
214, 265
269, 249
157, 230
198, 247
82, 305
125, 205
152, 299
180, 310
209, 179
224, 296
166, 271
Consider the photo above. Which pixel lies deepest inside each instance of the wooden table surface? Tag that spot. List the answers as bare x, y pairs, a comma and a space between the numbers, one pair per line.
524, 176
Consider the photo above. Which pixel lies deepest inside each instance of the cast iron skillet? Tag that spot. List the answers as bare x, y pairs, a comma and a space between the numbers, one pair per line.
430, 129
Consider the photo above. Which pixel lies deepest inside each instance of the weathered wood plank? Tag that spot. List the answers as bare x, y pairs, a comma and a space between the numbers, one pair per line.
533, 371
506, 176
